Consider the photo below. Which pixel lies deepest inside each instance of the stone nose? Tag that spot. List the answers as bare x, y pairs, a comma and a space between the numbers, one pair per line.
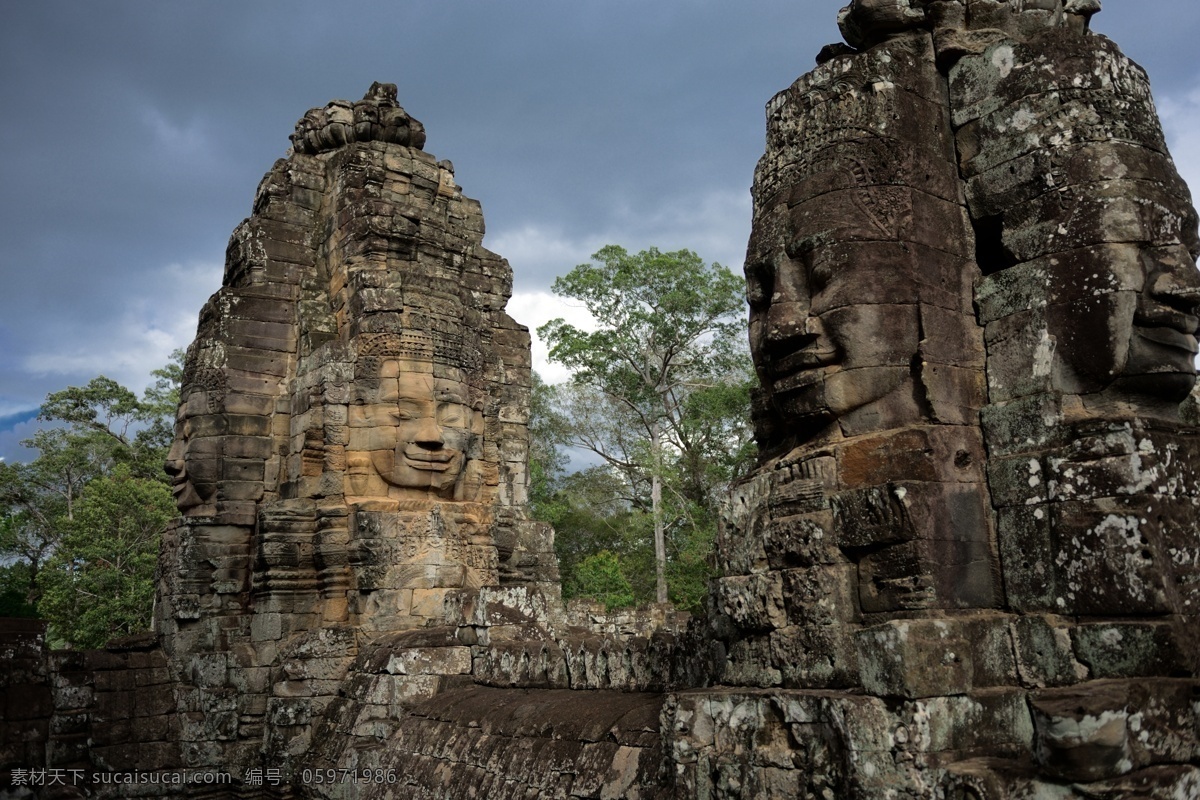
790, 323
174, 465
429, 434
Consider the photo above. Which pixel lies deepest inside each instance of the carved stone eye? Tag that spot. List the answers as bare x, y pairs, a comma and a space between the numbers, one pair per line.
819, 275
451, 414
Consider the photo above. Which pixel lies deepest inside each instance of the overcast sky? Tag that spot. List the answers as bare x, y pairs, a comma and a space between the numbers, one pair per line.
134, 133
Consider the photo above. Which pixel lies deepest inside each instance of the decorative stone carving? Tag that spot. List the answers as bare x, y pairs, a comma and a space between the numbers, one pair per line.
860, 272
351, 447
417, 432
351, 468
1002, 572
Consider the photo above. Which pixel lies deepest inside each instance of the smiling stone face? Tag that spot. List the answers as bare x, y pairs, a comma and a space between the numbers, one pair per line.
417, 429
1154, 329
860, 247
194, 461
1163, 347
1091, 286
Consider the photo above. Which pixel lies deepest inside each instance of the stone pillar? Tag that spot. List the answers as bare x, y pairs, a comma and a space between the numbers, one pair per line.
1088, 240
871, 501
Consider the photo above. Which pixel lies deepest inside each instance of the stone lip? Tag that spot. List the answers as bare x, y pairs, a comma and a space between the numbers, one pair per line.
378, 117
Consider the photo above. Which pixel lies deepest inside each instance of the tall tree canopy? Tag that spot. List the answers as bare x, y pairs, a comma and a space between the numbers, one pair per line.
660, 385
97, 468
98, 583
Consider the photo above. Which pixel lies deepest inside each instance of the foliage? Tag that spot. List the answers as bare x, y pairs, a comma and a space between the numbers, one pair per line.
118, 425
547, 462
689, 564
38, 498
588, 516
98, 583
660, 392
15, 585
101, 432
599, 577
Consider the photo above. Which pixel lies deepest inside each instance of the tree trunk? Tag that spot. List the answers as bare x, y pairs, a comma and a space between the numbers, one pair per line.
660, 542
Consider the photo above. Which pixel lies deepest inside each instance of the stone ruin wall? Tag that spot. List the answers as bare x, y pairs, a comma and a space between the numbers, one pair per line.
966, 567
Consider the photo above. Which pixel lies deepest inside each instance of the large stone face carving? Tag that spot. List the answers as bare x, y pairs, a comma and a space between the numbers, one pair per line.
1087, 210
973, 298
192, 464
860, 271
417, 429
861, 246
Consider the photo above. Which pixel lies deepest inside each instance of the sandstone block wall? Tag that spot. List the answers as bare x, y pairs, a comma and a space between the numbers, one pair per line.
72, 719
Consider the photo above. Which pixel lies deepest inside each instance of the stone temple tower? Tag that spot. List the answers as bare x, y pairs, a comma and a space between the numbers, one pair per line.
351, 447
967, 565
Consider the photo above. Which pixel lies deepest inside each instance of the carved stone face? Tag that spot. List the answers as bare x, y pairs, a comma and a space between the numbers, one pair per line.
830, 337
1140, 339
193, 462
1162, 346
417, 428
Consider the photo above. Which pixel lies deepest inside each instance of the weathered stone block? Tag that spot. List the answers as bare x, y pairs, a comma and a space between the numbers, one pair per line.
815, 657
1134, 649
753, 602
750, 664
440, 661
951, 454
820, 596
915, 659
1082, 734
1107, 559
1021, 356
1044, 653
794, 541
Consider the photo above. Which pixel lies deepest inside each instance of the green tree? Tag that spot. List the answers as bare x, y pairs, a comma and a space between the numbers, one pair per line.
547, 462
121, 426
17, 584
660, 388
599, 576
98, 429
98, 583
38, 498
588, 515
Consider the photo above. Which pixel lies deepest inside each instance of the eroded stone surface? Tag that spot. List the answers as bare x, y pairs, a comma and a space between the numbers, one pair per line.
973, 312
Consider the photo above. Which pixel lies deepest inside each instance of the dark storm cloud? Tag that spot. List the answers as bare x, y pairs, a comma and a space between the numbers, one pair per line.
10, 421
134, 134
